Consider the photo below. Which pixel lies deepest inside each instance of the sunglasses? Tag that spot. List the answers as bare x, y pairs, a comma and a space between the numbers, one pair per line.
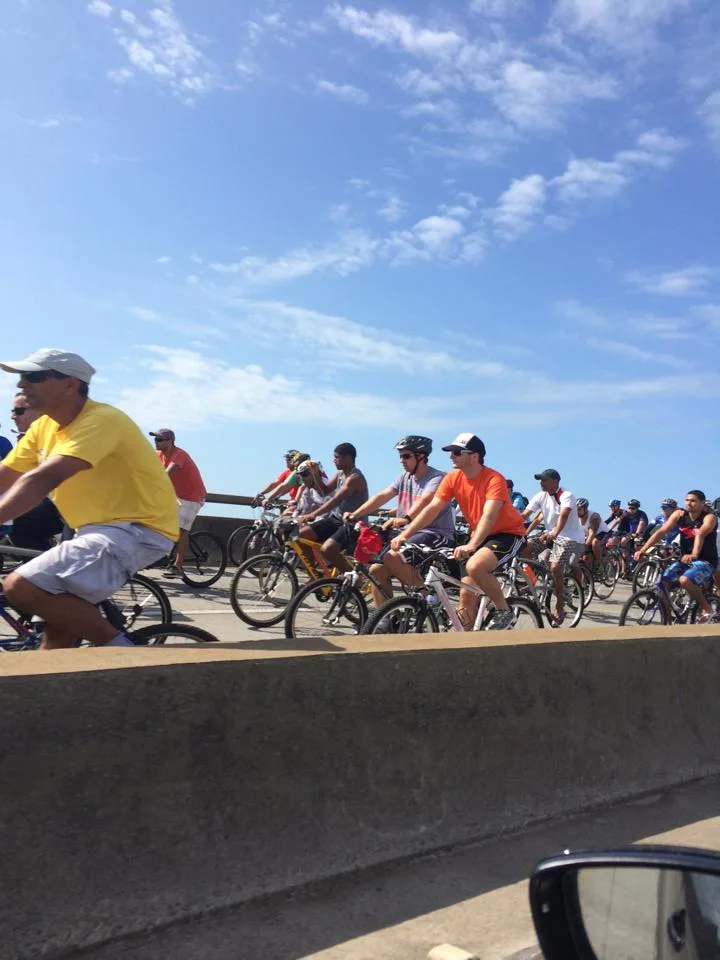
40, 376
633, 509
157, 441
407, 456
457, 452
18, 411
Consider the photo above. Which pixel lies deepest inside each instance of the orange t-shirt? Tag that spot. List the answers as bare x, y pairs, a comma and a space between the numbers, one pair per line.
472, 495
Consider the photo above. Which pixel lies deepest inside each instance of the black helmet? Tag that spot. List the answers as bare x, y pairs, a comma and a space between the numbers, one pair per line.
415, 444
669, 503
633, 503
582, 502
290, 454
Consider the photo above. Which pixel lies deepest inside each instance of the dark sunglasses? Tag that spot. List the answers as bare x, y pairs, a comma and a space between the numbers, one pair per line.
40, 376
305, 474
633, 508
159, 440
18, 411
457, 451
407, 456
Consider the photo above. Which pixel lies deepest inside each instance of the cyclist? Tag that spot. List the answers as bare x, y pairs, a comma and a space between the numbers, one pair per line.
309, 497
616, 515
414, 488
108, 485
498, 532
189, 490
346, 491
668, 507
596, 530
280, 478
632, 527
698, 546
518, 500
564, 532
291, 483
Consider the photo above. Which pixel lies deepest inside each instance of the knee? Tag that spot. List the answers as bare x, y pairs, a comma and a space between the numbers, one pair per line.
684, 581
15, 588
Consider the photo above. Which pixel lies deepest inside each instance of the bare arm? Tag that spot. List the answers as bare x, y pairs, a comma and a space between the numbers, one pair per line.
536, 520
323, 487
561, 521
424, 518
671, 522
641, 528
373, 503
7, 478
171, 468
276, 492
29, 489
336, 499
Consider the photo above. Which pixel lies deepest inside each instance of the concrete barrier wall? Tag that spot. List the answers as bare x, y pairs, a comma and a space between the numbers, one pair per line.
154, 785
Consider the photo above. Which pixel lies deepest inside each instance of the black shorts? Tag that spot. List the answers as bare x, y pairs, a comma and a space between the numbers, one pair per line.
505, 546
333, 528
423, 538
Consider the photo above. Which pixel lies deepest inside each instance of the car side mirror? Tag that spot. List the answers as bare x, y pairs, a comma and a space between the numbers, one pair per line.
636, 903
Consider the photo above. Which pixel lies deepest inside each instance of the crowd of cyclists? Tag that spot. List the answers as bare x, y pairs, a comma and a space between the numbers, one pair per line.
502, 523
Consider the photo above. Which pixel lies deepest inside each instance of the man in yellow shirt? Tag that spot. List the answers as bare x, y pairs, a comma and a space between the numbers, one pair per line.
108, 485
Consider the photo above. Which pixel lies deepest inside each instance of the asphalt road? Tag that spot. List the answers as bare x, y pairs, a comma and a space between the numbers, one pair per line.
210, 609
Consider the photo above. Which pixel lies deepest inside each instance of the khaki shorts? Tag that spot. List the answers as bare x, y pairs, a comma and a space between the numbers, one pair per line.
97, 561
187, 511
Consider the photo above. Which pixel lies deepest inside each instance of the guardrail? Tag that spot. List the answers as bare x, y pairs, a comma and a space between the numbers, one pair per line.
232, 498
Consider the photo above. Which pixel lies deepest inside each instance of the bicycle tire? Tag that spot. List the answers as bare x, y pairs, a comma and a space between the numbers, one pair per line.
645, 575
257, 608
327, 607
235, 544
588, 584
416, 607
263, 540
523, 609
574, 594
714, 608
205, 561
606, 577
650, 607
132, 601
158, 634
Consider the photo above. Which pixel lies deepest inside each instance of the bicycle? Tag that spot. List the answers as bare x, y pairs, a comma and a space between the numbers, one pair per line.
666, 603
264, 585
431, 610
259, 537
532, 579
336, 604
204, 562
654, 561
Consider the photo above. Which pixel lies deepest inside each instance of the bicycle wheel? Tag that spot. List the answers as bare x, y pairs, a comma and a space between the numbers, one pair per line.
527, 615
645, 575
205, 561
587, 583
645, 608
236, 543
573, 602
402, 615
262, 588
158, 634
606, 576
141, 601
328, 607
263, 540
714, 611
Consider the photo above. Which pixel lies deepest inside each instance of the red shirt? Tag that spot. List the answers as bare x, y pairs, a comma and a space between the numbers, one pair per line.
185, 477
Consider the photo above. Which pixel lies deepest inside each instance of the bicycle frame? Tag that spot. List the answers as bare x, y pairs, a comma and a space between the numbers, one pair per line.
297, 545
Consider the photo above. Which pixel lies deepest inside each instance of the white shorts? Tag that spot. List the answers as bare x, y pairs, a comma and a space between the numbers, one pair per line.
187, 511
97, 561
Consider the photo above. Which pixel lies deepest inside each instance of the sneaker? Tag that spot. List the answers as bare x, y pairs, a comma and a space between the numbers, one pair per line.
172, 573
503, 620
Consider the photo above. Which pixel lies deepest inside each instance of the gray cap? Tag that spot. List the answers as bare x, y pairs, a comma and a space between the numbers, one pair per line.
52, 358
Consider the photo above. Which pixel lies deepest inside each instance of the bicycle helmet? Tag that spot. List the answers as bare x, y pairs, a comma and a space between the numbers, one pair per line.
290, 454
583, 502
415, 444
614, 503
669, 503
633, 503
298, 458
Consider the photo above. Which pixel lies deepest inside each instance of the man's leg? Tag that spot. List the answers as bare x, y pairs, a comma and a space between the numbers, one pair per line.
383, 577
597, 551
67, 617
696, 594
479, 570
333, 555
558, 576
181, 548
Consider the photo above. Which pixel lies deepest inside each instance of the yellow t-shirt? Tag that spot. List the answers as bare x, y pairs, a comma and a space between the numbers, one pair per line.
127, 483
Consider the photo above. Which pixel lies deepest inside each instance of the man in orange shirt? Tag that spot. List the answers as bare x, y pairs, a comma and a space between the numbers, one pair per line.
189, 490
498, 531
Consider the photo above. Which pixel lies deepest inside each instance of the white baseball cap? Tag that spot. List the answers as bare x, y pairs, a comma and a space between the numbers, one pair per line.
52, 358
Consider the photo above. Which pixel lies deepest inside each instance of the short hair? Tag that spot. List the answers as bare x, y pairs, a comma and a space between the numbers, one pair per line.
697, 493
510, 483
346, 450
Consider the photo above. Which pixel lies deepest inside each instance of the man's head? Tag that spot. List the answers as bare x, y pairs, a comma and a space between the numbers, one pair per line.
51, 378
549, 480
413, 450
695, 502
668, 506
614, 506
22, 413
345, 456
467, 452
633, 506
582, 507
289, 457
304, 472
164, 439
510, 486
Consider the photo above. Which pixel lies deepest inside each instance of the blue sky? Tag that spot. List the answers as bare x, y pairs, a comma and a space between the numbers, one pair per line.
279, 224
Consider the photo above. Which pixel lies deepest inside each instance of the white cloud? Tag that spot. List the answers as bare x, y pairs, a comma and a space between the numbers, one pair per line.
498, 9
176, 325
386, 28
688, 281
432, 238
394, 208
163, 260
637, 353
160, 47
538, 99
517, 207
590, 179
582, 314
709, 112
99, 8
343, 91
624, 24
